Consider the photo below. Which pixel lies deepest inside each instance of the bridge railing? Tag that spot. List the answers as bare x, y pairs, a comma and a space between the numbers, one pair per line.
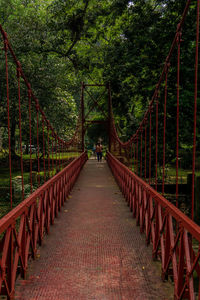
175, 237
23, 229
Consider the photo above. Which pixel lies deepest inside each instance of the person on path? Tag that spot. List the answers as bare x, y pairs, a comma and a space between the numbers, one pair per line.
99, 149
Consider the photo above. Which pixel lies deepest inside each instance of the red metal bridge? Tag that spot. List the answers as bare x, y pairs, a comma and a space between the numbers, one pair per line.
96, 252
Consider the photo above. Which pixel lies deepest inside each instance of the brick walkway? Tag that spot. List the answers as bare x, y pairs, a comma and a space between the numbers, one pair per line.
94, 251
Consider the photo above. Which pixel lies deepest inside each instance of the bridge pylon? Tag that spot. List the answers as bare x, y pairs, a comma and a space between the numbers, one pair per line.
85, 121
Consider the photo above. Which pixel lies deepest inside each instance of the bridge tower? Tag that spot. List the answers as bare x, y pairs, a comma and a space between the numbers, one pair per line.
85, 121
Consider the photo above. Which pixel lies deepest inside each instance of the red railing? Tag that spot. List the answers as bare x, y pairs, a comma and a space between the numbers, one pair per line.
23, 229
175, 238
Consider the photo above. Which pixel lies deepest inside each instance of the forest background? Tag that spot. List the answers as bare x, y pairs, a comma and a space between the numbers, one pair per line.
62, 43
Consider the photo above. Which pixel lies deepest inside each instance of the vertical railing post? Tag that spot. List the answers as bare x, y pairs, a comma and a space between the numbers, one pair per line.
48, 151
30, 135
38, 145
156, 167
9, 263
145, 151
177, 112
82, 116
109, 117
150, 117
20, 127
164, 127
43, 144
137, 154
141, 137
8, 115
195, 107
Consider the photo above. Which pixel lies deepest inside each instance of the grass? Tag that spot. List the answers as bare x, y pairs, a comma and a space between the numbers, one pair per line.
63, 155
17, 191
4, 171
170, 174
5, 177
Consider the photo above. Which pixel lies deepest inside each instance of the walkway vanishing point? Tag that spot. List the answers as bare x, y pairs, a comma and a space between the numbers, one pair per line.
94, 250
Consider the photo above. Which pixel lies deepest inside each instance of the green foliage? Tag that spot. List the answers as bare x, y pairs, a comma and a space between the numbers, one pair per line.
61, 43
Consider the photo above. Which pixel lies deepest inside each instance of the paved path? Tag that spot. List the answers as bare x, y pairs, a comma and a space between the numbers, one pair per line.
94, 250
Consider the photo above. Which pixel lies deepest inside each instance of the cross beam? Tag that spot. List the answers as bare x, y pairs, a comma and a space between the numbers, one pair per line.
85, 122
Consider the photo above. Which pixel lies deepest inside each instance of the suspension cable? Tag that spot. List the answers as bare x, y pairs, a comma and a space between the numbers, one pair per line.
195, 107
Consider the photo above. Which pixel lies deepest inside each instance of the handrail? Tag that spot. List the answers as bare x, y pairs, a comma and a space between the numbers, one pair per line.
23, 228
175, 237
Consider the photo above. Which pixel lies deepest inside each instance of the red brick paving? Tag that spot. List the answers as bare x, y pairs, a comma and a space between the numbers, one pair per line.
94, 251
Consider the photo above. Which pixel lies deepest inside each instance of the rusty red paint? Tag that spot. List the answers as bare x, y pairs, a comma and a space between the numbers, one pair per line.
36, 213
156, 217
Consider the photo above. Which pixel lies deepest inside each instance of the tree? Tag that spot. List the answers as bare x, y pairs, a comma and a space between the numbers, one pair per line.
61, 43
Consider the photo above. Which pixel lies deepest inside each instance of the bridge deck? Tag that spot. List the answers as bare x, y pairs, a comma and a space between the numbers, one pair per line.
94, 250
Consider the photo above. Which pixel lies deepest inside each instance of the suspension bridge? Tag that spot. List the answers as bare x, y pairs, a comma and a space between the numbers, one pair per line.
97, 246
